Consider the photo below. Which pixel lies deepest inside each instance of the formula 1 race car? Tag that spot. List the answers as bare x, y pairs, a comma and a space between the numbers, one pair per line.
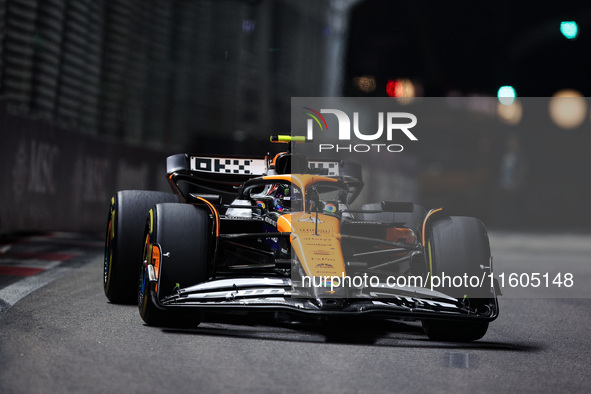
278, 234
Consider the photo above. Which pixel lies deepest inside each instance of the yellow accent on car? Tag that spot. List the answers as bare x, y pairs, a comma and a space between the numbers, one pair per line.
431, 212
151, 221
112, 226
430, 258
287, 138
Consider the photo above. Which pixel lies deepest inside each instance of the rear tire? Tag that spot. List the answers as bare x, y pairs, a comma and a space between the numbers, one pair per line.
182, 232
459, 246
123, 244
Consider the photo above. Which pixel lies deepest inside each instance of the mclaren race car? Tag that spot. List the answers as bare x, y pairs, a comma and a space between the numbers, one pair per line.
279, 234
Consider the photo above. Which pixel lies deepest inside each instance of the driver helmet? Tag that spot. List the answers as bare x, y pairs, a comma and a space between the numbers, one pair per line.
280, 194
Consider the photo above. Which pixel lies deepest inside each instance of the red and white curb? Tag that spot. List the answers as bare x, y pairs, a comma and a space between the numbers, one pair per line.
35, 262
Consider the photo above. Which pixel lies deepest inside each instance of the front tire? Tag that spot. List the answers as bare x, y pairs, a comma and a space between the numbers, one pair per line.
181, 235
459, 247
123, 253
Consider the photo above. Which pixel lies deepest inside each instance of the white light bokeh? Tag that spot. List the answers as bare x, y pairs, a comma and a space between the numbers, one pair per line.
568, 108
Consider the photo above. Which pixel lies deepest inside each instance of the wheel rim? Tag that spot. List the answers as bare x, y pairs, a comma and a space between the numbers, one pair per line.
143, 277
110, 236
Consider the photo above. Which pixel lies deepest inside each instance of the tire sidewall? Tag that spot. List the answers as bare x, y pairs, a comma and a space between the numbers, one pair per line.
181, 232
123, 253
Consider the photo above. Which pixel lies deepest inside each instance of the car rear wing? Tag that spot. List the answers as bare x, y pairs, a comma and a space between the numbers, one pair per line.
221, 165
222, 175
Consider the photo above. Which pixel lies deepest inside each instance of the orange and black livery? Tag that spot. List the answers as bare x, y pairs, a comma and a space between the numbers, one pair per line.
287, 234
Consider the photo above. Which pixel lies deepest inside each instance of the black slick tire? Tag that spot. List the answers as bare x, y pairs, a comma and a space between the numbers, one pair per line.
459, 246
124, 240
181, 234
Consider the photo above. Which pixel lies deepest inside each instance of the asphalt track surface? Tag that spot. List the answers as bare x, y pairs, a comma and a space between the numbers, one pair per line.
65, 337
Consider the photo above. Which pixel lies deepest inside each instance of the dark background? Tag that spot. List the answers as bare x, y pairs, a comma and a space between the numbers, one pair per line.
465, 47
93, 93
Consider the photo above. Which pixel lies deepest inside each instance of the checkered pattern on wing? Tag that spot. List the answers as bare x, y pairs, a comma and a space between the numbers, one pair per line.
331, 166
228, 165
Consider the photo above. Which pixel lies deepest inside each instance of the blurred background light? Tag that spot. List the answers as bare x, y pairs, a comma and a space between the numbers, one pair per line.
248, 25
568, 108
366, 83
401, 88
510, 114
506, 95
569, 29
392, 87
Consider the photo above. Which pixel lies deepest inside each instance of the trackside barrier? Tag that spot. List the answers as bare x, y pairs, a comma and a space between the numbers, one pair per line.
53, 179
